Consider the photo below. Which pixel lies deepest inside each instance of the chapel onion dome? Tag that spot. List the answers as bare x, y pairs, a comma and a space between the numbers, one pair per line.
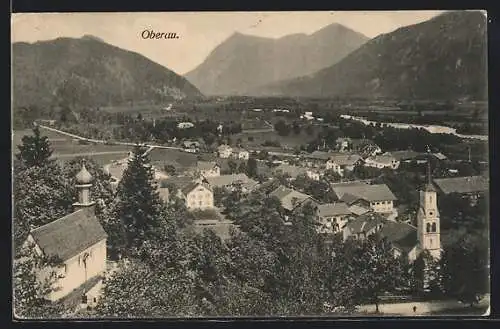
83, 177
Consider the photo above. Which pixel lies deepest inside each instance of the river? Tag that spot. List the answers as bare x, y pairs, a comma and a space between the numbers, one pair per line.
433, 129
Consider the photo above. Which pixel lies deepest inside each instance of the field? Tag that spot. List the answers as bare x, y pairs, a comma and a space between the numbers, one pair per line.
64, 148
255, 140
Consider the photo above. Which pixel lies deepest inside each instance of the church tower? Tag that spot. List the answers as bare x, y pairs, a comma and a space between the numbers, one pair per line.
83, 184
428, 218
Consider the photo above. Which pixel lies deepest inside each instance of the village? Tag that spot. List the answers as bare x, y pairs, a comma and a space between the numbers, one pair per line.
336, 168
355, 208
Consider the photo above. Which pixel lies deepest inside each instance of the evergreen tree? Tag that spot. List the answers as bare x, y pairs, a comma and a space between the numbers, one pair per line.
35, 149
251, 167
139, 207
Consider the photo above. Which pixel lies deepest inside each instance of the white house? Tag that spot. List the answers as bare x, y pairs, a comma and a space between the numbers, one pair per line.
79, 242
377, 197
195, 193
333, 217
340, 163
382, 161
295, 171
208, 168
185, 125
224, 151
239, 153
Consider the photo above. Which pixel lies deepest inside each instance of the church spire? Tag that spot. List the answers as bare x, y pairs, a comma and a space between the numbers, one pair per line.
83, 185
429, 186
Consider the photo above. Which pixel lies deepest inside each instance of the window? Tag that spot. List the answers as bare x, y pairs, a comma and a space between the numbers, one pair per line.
431, 213
428, 227
434, 227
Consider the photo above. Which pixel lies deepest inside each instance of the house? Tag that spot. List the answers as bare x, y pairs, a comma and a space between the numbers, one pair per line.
402, 236
291, 200
363, 226
365, 147
185, 125
404, 155
377, 197
295, 171
470, 187
196, 194
117, 169
406, 240
239, 153
208, 168
78, 241
191, 146
333, 216
307, 116
382, 161
233, 181
340, 163
224, 151
343, 144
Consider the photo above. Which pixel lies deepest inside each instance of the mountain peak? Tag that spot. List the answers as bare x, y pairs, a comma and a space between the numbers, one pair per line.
92, 37
243, 62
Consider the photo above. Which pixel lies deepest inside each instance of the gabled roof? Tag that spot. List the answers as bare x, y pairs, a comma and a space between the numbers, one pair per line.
319, 155
191, 186
333, 209
178, 181
365, 223
226, 180
358, 210
404, 155
70, 235
469, 184
224, 147
207, 165
287, 195
402, 235
345, 159
384, 159
377, 192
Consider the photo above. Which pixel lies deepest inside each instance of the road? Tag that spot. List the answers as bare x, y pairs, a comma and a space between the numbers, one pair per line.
85, 154
422, 308
101, 141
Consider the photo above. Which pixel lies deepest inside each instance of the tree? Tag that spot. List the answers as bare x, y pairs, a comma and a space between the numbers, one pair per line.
139, 208
41, 195
251, 168
159, 292
366, 268
465, 272
35, 150
232, 166
31, 289
170, 170
282, 128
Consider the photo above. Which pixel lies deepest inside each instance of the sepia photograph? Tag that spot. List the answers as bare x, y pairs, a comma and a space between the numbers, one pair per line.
326, 164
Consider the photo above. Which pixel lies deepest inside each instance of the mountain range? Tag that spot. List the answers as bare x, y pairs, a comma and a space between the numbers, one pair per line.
442, 58
243, 62
88, 71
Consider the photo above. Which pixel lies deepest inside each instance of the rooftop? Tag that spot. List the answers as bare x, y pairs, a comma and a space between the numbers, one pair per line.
402, 235
365, 223
377, 192
333, 209
70, 235
226, 180
384, 159
468, 184
206, 165
287, 196
404, 155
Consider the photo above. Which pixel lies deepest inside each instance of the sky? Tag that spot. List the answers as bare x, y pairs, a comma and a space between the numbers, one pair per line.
199, 33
